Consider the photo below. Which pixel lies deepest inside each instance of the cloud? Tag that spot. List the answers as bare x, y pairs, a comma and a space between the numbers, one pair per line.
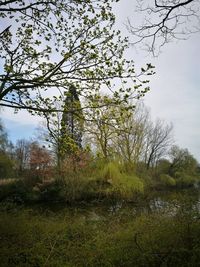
175, 92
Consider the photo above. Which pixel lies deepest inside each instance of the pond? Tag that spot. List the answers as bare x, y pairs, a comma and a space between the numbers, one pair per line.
156, 202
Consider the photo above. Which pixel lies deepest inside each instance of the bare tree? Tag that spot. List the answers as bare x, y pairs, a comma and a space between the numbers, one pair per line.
157, 142
22, 155
49, 131
164, 21
40, 158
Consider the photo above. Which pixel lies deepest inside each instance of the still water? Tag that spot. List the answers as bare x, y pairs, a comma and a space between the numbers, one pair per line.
168, 203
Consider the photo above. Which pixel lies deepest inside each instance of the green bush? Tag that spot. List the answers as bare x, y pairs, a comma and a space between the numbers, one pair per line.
128, 186
185, 180
120, 184
167, 180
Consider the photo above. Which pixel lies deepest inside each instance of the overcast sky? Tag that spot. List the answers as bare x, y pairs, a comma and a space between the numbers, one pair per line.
174, 95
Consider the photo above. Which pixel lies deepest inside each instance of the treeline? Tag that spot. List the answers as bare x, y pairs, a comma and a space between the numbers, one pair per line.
112, 150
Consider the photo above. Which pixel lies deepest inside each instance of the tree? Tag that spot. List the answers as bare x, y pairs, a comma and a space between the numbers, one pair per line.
22, 155
158, 140
3, 138
6, 160
129, 141
6, 166
72, 122
101, 124
182, 162
40, 160
164, 21
48, 45
62, 130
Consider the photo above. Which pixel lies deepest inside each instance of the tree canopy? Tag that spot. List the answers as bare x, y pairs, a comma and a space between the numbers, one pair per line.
47, 45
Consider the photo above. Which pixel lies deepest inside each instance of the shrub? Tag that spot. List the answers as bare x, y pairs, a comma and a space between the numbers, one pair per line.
185, 180
167, 180
127, 186
110, 172
52, 191
120, 184
74, 177
16, 191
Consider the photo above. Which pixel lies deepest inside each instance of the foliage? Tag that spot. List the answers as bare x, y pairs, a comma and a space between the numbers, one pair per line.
163, 166
72, 183
6, 161
3, 138
131, 132
120, 184
18, 191
185, 180
51, 45
72, 119
182, 161
126, 130
157, 142
167, 180
40, 161
101, 123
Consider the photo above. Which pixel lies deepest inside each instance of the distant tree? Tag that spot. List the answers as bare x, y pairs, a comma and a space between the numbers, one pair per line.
6, 166
49, 131
101, 124
163, 21
62, 130
22, 155
158, 140
182, 162
129, 141
5, 144
40, 159
6, 160
72, 123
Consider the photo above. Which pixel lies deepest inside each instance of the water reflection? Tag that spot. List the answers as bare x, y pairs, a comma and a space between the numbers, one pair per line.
169, 204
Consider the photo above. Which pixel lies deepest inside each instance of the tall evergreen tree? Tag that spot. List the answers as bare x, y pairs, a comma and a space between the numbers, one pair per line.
71, 124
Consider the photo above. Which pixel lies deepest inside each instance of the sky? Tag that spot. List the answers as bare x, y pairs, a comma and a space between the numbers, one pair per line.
175, 88
174, 95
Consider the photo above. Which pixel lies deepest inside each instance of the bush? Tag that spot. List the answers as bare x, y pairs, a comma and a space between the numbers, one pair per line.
47, 191
16, 191
128, 186
185, 180
120, 184
167, 180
